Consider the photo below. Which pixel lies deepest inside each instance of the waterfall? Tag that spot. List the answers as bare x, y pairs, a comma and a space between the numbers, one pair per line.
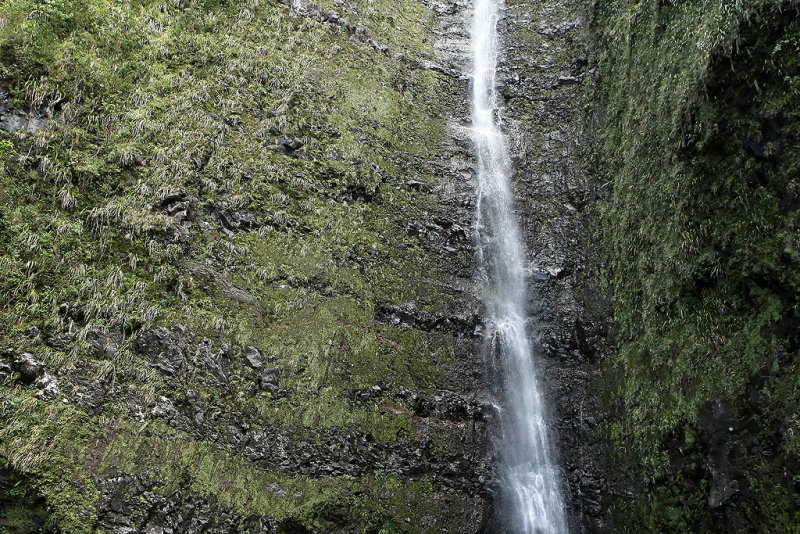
530, 497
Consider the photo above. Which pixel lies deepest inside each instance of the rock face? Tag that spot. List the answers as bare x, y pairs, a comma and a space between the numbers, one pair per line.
254, 310
257, 311
237, 255
545, 77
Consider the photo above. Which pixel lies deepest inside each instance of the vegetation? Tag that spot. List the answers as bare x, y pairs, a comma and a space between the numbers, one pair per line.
240, 169
700, 148
249, 172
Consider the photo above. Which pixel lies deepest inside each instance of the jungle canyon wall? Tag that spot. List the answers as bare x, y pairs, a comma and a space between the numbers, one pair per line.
238, 264
698, 146
237, 269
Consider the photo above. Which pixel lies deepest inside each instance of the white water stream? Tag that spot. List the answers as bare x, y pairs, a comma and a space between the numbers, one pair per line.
531, 499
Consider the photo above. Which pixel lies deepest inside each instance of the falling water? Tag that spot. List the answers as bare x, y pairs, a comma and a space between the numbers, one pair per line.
530, 499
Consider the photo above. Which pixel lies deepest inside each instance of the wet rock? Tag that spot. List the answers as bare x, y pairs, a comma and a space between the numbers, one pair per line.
444, 233
408, 315
545, 75
717, 428
48, 385
28, 367
253, 357
559, 30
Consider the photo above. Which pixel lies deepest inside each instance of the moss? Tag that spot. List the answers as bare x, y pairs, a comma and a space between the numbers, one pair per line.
78, 448
149, 99
700, 227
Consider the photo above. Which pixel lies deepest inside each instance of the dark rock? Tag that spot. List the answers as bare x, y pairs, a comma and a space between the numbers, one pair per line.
28, 367
60, 340
291, 145
745, 96
203, 358
32, 331
164, 409
756, 148
288, 146
106, 344
717, 428
417, 186
179, 209
253, 357
268, 380
14, 119
408, 315
234, 221
567, 80
559, 30
5, 371
164, 349
151, 341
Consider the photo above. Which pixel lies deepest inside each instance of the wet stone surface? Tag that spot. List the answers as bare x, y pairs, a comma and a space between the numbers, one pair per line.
544, 76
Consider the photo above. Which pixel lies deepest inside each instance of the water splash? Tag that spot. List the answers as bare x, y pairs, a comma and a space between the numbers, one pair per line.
531, 499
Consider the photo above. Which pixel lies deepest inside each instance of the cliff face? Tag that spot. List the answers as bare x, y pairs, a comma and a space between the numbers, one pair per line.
237, 263
699, 146
237, 269
547, 77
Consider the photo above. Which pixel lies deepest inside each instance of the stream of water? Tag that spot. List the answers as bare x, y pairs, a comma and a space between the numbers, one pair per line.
530, 496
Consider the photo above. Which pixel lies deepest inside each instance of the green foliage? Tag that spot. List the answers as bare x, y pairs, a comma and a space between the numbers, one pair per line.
701, 225
21, 509
149, 98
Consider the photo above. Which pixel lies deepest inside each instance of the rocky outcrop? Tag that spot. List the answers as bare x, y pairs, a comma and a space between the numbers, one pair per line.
237, 261
13, 118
